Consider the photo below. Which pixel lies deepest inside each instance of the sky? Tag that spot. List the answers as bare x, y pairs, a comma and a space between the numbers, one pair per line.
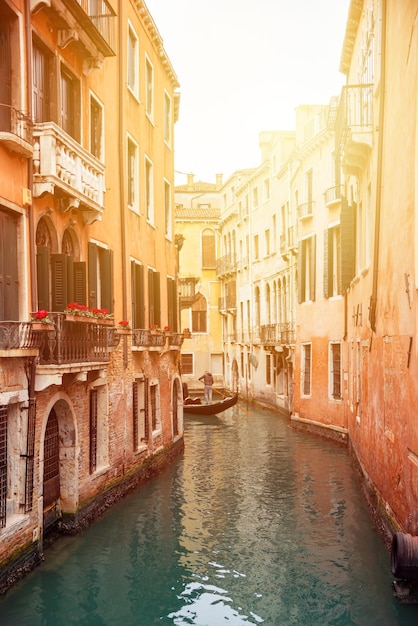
243, 67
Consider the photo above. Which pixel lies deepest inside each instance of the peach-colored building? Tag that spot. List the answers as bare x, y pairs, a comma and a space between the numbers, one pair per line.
88, 406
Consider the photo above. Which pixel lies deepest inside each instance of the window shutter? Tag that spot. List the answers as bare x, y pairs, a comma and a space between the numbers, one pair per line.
42, 276
59, 281
69, 296
106, 279
172, 303
79, 273
9, 303
348, 250
92, 274
157, 299
327, 264
313, 268
301, 271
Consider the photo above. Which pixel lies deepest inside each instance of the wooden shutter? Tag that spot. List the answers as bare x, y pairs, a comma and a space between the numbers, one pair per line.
79, 278
302, 271
59, 281
172, 303
348, 249
92, 274
9, 296
327, 272
42, 276
151, 297
6, 75
69, 295
157, 299
106, 279
137, 289
313, 268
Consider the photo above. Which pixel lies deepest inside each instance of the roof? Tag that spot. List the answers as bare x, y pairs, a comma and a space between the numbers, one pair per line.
211, 213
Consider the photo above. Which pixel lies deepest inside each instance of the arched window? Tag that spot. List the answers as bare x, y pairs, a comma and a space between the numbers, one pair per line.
199, 315
208, 249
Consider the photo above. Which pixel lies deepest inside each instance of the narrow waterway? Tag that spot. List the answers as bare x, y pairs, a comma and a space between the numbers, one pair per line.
254, 524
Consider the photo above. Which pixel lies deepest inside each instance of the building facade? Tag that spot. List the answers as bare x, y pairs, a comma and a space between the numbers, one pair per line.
90, 388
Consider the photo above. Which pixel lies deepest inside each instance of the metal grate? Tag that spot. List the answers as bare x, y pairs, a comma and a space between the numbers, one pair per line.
93, 430
30, 446
135, 413
3, 465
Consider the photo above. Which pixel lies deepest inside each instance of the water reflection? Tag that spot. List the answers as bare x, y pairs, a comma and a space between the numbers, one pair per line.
255, 524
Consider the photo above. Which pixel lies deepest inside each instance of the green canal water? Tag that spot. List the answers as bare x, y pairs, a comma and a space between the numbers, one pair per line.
254, 524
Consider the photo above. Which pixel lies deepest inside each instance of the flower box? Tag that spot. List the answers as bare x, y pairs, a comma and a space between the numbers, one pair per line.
70, 317
124, 331
40, 326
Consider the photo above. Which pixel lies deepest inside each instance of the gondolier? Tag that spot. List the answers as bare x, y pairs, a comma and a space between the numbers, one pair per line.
207, 379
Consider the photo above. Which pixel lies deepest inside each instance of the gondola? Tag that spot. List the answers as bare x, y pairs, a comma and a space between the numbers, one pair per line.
211, 409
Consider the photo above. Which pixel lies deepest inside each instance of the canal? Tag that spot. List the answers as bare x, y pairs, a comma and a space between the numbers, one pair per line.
254, 524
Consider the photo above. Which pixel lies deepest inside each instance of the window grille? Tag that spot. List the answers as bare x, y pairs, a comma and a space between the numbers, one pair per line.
3, 465
93, 430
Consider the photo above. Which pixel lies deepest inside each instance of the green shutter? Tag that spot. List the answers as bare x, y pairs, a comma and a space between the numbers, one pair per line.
327, 264
151, 297
313, 268
301, 271
42, 276
59, 281
92, 274
106, 279
9, 294
157, 299
79, 278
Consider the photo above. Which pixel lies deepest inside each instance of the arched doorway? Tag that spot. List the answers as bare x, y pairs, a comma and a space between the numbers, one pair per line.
51, 483
60, 466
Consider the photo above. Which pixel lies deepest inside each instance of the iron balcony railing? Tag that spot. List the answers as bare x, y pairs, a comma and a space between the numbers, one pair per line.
70, 342
101, 17
17, 336
143, 338
278, 334
15, 122
226, 264
355, 114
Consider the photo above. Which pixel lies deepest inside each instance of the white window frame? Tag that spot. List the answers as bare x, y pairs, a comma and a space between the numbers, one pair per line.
303, 370
149, 88
331, 371
168, 118
99, 104
149, 190
168, 211
132, 61
133, 203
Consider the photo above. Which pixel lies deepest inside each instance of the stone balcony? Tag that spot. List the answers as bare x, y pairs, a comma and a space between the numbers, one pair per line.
65, 169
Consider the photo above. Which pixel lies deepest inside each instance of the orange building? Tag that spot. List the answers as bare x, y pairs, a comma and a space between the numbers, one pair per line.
88, 406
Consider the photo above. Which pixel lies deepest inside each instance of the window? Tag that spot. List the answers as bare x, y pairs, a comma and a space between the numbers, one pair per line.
98, 427
133, 54
268, 369
137, 295
167, 119
332, 262
132, 171
154, 397
208, 249
154, 298
13, 491
172, 303
256, 248
199, 315
70, 104
266, 189
255, 197
100, 277
139, 414
96, 128
335, 371
149, 98
267, 240
306, 369
149, 191
167, 210
186, 363
306, 269
41, 71
9, 277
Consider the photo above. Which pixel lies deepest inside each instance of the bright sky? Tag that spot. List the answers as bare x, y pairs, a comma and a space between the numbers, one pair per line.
243, 67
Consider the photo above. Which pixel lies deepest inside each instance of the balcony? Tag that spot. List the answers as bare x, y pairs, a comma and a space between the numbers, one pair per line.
226, 264
306, 210
175, 341
16, 130
278, 334
333, 195
188, 294
144, 339
89, 26
64, 168
354, 125
16, 339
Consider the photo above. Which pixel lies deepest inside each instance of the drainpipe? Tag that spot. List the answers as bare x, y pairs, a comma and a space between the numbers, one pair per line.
122, 179
29, 87
373, 298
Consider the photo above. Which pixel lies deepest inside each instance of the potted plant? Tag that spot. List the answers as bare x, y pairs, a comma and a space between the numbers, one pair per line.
41, 320
124, 328
75, 312
187, 334
102, 316
155, 329
167, 331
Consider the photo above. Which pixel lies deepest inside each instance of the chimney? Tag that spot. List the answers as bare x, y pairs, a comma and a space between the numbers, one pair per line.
190, 178
219, 178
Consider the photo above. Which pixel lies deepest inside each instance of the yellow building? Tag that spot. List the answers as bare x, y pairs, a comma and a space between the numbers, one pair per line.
90, 388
